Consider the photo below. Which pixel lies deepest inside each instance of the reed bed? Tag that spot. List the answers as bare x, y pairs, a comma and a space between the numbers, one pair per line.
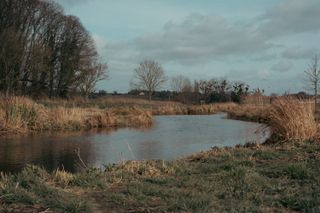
194, 109
105, 102
291, 119
287, 118
22, 115
250, 112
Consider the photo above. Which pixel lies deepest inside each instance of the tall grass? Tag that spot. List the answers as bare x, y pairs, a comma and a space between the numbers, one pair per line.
21, 115
288, 119
291, 119
250, 112
180, 109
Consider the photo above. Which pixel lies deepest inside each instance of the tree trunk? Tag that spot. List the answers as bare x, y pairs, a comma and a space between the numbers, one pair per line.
150, 95
315, 97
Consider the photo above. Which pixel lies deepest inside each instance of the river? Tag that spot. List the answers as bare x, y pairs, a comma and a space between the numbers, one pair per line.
171, 137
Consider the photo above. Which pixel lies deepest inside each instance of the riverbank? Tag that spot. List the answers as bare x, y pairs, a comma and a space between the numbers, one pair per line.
251, 178
288, 119
21, 115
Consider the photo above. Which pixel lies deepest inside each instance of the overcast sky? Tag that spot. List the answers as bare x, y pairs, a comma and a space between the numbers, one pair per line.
265, 43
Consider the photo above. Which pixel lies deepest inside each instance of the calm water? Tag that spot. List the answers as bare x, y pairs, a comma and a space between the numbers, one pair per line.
171, 137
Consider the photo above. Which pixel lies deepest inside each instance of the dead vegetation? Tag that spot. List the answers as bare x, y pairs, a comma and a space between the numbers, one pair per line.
22, 115
287, 118
291, 119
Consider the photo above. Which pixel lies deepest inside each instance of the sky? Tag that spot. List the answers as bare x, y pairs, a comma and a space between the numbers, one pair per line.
267, 44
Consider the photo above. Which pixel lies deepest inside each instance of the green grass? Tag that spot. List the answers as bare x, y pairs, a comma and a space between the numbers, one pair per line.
277, 178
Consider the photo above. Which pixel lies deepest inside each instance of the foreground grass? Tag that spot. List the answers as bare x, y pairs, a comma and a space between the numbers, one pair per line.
256, 178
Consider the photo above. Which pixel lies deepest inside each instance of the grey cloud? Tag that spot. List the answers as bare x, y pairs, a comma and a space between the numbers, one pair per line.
282, 66
264, 57
203, 38
199, 39
299, 53
291, 17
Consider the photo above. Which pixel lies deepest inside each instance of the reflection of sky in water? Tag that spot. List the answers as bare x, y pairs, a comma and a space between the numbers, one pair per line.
171, 137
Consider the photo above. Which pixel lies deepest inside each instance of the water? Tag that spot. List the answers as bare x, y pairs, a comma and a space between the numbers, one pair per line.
171, 137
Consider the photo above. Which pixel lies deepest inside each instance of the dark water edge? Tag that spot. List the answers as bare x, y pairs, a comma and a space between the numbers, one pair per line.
171, 137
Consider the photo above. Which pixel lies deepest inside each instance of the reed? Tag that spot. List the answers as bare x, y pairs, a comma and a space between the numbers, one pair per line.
22, 115
291, 119
250, 112
180, 109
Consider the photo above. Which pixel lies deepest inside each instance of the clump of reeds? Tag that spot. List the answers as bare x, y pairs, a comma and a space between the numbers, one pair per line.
21, 115
291, 119
250, 112
18, 114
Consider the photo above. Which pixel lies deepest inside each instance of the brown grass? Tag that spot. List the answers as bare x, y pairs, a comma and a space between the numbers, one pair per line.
291, 119
250, 112
179, 109
22, 115
156, 107
287, 118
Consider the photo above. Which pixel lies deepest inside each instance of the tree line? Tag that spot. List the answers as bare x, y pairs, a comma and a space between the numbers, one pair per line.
45, 52
149, 76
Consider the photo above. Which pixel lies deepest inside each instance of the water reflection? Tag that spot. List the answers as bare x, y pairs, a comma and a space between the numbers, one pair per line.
171, 137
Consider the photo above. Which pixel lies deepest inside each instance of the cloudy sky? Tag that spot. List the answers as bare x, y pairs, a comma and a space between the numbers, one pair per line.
265, 43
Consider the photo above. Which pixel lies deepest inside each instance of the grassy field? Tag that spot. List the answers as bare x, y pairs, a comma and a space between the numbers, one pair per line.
252, 178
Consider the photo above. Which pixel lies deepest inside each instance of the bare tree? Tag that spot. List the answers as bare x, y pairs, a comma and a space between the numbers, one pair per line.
181, 83
313, 77
91, 78
43, 51
149, 76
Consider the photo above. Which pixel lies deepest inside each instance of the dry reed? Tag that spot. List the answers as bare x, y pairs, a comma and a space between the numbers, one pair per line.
179, 109
22, 115
291, 119
250, 112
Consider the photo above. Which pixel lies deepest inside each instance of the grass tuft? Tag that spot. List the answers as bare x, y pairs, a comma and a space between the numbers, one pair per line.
291, 119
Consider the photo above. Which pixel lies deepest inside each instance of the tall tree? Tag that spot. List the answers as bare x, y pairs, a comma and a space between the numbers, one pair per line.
149, 76
44, 51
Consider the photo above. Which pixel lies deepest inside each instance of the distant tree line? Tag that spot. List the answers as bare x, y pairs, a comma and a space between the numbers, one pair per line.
149, 77
45, 52
183, 90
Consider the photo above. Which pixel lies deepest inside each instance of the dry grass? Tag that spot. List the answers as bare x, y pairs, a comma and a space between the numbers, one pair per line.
22, 115
288, 118
179, 109
291, 119
105, 102
250, 112
156, 107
